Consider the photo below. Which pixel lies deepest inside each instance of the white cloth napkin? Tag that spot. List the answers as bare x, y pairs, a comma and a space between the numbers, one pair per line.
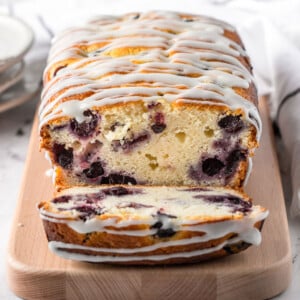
269, 29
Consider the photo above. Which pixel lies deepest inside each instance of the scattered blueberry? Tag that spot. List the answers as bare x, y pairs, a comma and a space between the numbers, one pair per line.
158, 128
113, 126
153, 104
136, 16
235, 248
159, 118
212, 166
137, 205
94, 197
116, 191
157, 224
94, 171
162, 233
128, 144
229, 249
86, 128
233, 159
63, 156
231, 124
116, 178
87, 211
159, 125
62, 199
222, 144
236, 203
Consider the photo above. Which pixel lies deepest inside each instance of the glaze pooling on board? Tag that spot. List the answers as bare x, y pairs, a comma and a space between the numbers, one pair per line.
175, 60
213, 213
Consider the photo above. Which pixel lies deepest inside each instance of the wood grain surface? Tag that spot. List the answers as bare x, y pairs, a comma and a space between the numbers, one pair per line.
258, 273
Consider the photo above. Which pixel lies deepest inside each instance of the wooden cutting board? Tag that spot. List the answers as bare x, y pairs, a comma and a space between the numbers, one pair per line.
258, 273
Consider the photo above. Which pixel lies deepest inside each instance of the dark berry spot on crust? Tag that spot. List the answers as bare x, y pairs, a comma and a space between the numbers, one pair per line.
136, 16
94, 171
117, 179
231, 124
158, 128
86, 128
157, 224
235, 248
59, 68
154, 104
163, 233
64, 157
188, 20
229, 250
212, 166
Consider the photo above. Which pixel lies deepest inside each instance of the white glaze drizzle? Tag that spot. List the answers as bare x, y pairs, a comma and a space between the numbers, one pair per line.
178, 202
57, 246
249, 170
252, 236
199, 47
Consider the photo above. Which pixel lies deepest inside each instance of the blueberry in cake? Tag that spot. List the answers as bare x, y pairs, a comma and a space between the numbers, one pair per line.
160, 99
150, 224
145, 119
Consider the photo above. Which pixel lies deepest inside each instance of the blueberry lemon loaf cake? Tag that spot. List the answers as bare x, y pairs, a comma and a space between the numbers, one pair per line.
157, 98
150, 224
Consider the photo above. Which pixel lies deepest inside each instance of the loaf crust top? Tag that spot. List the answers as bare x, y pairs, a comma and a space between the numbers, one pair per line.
181, 58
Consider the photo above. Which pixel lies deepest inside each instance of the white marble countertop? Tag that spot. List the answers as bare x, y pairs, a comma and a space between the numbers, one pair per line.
15, 127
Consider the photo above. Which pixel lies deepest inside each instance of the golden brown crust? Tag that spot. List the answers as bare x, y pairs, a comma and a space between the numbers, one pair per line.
61, 232
83, 49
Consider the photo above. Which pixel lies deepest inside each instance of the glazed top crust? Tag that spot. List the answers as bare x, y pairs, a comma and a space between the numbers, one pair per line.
180, 58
